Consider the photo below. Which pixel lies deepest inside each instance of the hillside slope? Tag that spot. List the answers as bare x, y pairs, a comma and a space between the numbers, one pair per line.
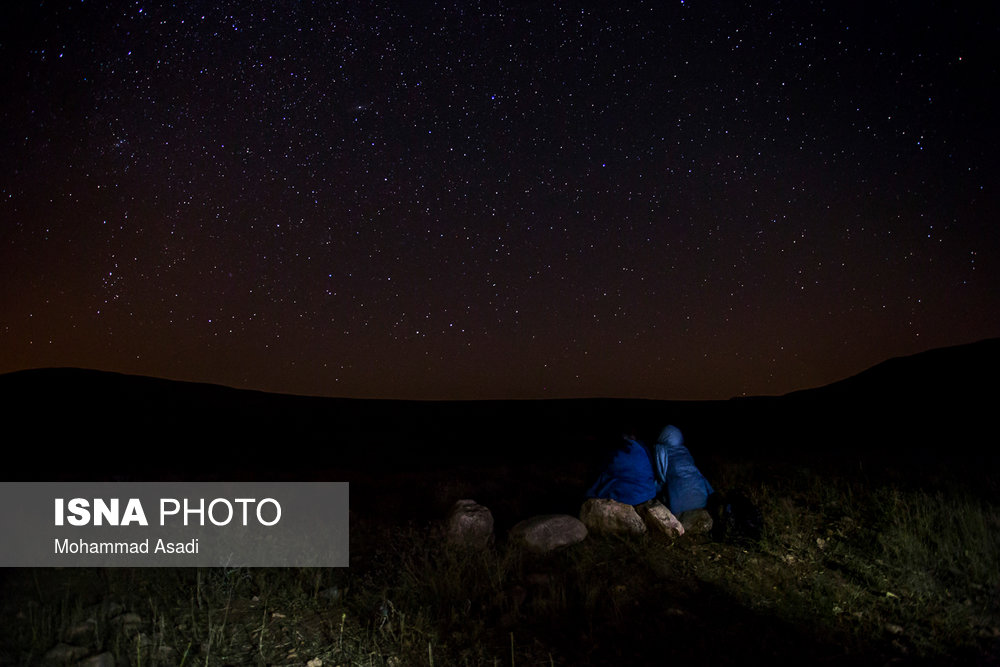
939, 400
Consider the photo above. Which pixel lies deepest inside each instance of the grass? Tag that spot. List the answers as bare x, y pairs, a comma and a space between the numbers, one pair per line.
851, 568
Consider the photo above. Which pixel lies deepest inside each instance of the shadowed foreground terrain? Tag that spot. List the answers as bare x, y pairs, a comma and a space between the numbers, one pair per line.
881, 542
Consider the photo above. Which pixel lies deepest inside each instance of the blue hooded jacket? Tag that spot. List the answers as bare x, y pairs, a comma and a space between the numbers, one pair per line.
628, 478
687, 488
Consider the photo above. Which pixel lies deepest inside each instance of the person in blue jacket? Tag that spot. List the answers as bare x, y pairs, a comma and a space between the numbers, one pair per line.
686, 488
628, 476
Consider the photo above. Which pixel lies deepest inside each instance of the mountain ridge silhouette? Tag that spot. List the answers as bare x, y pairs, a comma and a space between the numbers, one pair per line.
940, 398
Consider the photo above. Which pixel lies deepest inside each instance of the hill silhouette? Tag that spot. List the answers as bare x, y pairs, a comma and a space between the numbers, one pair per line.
77, 422
932, 404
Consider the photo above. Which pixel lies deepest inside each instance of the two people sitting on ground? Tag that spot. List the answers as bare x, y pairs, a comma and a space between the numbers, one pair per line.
666, 471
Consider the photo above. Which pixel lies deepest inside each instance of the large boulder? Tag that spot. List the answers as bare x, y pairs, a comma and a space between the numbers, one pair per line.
603, 515
660, 520
549, 532
469, 525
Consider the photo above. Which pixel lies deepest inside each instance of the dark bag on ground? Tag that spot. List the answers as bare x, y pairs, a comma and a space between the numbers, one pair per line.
735, 517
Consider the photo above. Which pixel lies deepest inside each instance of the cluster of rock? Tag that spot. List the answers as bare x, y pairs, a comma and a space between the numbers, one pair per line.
470, 524
80, 640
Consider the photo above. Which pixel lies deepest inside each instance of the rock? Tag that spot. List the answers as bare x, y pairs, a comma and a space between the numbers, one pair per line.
64, 654
101, 660
894, 629
603, 515
81, 634
333, 593
129, 622
696, 522
659, 519
470, 525
166, 656
549, 532
110, 609
538, 579
517, 594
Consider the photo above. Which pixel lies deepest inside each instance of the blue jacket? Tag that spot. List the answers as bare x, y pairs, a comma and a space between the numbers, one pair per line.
628, 478
687, 488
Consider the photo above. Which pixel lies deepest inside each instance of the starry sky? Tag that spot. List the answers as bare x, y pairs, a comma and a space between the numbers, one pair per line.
668, 200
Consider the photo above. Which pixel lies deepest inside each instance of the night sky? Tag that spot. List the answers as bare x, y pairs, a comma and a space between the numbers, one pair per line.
679, 200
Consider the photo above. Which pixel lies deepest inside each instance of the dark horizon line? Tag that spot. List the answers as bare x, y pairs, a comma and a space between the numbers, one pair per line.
794, 392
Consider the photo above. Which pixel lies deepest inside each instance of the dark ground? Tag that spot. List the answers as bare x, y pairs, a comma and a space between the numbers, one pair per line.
408, 461
918, 409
